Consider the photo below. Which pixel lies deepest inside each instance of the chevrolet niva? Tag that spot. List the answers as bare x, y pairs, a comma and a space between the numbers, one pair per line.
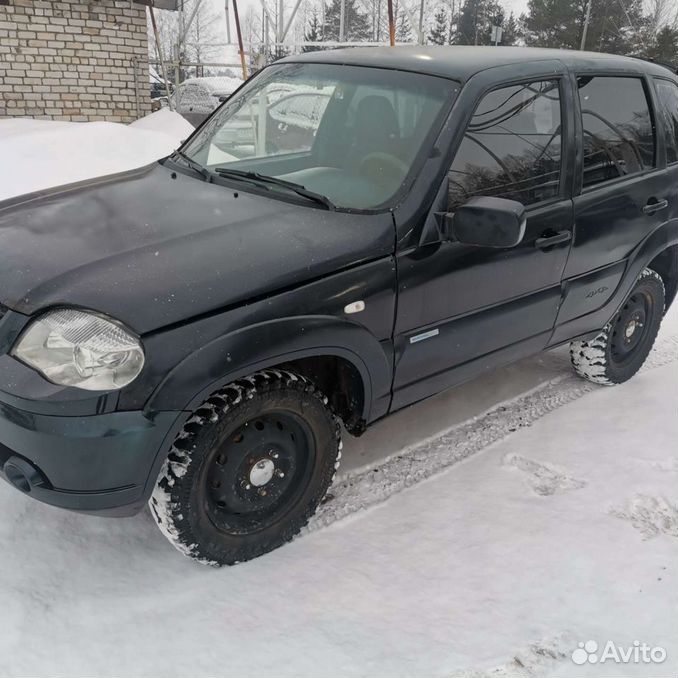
191, 334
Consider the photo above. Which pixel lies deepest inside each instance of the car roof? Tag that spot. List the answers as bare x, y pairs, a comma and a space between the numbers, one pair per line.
461, 62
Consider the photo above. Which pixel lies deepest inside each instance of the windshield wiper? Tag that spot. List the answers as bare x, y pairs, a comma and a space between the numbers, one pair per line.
196, 167
274, 181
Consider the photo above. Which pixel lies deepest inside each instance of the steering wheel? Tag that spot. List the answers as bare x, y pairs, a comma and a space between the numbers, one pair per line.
382, 167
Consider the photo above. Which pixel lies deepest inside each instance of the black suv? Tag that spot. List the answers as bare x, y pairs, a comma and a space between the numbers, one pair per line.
191, 334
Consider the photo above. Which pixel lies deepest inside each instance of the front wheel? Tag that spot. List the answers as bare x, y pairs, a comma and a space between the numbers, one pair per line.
620, 350
248, 470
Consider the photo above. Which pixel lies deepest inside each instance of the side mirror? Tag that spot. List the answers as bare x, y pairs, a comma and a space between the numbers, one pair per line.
488, 222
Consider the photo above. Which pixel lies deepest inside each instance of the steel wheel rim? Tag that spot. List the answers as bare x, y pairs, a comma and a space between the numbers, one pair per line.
630, 328
259, 472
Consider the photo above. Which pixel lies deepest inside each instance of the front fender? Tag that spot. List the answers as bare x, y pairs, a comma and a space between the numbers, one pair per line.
241, 352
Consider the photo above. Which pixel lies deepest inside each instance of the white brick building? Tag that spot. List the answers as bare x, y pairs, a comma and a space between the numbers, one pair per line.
75, 60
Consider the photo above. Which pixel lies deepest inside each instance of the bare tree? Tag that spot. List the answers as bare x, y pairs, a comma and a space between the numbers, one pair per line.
661, 13
192, 36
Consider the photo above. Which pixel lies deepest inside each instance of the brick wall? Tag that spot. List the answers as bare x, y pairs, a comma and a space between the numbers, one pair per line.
73, 60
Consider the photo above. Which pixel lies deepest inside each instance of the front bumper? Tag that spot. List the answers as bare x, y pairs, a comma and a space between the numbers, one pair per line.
102, 463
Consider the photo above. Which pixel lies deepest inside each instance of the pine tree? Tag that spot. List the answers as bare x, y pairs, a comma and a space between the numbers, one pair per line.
314, 33
476, 21
453, 31
614, 25
512, 31
438, 35
356, 24
403, 31
664, 46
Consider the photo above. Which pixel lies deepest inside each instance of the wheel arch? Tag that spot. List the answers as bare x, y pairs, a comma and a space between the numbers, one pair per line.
339, 356
659, 249
656, 249
666, 265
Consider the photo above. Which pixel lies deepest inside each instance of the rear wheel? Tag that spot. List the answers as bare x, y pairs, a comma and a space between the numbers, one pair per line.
620, 350
248, 469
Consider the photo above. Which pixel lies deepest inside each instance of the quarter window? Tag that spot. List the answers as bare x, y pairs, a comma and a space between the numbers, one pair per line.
618, 134
667, 93
512, 146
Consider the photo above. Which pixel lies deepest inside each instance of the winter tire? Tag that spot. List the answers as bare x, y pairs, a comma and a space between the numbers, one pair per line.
248, 469
620, 350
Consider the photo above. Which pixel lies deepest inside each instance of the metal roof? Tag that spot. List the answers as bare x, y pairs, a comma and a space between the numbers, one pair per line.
160, 4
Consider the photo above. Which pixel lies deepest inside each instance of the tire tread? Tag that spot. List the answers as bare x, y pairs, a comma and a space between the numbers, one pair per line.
168, 500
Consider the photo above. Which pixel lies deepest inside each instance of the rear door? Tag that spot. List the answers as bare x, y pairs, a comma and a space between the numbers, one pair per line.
462, 308
624, 191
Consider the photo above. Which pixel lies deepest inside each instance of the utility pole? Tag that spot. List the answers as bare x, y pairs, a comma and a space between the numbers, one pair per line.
342, 21
228, 25
421, 22
586, 25
160, 57
281, 26
241, 47
180, 41
391, 23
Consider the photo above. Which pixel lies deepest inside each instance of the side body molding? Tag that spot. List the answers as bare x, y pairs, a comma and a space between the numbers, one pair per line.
241, 352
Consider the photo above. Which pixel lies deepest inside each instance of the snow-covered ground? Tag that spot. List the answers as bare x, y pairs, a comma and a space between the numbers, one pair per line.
38, 154
484, 533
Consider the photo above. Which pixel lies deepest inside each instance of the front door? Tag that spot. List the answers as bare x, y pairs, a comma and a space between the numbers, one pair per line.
462, 308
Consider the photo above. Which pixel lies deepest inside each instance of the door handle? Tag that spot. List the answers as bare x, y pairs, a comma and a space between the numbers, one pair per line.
654, 205
555, 239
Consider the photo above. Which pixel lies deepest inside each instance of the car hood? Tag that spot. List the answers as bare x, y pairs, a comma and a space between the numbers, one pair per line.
152, 247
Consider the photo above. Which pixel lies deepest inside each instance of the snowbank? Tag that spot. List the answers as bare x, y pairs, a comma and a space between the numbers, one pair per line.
39, 154
167, 122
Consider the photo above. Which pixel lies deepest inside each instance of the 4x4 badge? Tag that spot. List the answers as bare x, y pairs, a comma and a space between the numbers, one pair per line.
593, 293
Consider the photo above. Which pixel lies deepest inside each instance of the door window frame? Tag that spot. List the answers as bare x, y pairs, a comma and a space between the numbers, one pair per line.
415, 217
561, 79
659, 151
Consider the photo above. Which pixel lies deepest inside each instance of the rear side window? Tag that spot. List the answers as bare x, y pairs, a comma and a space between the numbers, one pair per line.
512, 146
667, 93
618, 135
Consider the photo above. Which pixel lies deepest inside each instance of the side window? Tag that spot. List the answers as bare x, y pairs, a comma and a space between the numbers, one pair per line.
667, 93
618, 135
512, 146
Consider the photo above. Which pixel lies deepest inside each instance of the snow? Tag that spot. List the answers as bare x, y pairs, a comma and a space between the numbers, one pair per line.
217, 84
167, 122
482, 533
39, 154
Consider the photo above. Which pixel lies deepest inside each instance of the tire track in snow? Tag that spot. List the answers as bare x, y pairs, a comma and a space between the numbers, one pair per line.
366, 488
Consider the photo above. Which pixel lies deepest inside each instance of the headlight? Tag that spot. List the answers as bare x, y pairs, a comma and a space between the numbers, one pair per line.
76, 348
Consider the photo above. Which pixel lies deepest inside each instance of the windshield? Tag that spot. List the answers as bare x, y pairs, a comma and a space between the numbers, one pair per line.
347, 133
